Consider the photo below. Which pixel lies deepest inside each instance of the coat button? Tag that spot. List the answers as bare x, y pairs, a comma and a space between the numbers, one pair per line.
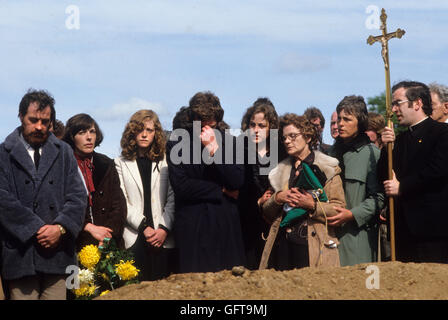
101, 192
50, 182
103, 210
313, 234
35, 205
27, 181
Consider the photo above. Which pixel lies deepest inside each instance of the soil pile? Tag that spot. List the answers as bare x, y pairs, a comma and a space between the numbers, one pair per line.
381, 281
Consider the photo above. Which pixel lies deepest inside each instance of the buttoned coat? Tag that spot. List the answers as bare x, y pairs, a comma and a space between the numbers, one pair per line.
319, 236
30, 199
162, 198
109, 204
365, 199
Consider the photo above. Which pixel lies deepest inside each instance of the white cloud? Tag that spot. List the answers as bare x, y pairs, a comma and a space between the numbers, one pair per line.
125, 110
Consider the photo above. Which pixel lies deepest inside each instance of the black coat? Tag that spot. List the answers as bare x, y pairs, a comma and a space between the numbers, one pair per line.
420, 162
109, 204
207, 227
253, 226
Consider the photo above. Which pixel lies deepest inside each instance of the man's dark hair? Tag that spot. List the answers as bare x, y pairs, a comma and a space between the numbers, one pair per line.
206, 106
312, 113
182, 119
416, 90
58, 128
42, 97
355, 106
78, 123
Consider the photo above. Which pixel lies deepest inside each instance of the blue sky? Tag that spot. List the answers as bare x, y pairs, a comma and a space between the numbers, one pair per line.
130, 55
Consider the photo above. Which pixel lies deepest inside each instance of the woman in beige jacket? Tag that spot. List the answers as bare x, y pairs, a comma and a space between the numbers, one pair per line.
308, 240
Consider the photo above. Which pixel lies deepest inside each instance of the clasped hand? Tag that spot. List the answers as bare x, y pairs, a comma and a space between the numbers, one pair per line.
48, 236
296, 198
155, 237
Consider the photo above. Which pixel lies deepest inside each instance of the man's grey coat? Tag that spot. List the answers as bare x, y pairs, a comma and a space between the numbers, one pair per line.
29, 199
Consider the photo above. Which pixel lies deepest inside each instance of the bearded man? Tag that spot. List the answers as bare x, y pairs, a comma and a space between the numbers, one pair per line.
42, 204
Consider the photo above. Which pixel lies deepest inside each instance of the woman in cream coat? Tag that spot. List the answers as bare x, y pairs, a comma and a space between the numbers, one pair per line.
143, 173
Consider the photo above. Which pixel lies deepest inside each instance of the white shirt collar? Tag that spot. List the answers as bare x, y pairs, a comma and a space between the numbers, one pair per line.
29, 148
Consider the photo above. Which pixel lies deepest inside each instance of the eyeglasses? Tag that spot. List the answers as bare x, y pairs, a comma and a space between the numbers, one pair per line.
397, 103
291, 136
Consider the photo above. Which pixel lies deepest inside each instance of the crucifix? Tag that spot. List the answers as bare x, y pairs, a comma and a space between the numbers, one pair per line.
384, 38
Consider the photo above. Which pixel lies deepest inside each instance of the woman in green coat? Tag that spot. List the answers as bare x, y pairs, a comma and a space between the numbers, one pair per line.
358, 229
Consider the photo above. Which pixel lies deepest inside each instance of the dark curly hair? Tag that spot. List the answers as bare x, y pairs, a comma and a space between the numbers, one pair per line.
306, 128
80, 122
261, 105
182, 119
205, 106
136, 125
58, 129
42, 97
312, 113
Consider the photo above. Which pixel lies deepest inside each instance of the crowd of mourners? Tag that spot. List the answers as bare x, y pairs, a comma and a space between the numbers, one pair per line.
199, 199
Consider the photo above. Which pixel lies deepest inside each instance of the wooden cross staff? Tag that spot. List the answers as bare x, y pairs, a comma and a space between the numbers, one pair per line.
384, 38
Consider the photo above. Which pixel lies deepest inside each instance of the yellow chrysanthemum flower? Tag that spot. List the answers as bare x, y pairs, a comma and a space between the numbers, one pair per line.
89, 256
85, 290
126, 270
104, 292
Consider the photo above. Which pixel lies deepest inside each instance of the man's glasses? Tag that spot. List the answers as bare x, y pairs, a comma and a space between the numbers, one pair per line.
397, 103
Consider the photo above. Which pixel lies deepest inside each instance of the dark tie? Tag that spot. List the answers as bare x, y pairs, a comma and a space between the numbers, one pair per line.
36, 157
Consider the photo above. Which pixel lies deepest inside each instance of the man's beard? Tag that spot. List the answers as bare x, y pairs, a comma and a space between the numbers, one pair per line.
36, 138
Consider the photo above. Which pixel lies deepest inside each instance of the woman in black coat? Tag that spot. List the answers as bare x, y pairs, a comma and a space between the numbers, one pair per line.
256, 124
207, 226
106, 210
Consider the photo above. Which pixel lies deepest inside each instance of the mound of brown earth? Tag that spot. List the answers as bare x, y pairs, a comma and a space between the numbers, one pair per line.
386, 280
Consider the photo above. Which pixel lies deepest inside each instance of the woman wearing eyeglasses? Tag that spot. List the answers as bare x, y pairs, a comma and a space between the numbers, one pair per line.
358, 229
306, 240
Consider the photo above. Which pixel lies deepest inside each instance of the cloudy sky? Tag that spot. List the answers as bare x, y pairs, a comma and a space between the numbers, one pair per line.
112, 58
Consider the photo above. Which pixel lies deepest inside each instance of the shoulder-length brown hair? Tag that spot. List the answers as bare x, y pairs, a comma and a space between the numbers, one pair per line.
136, 125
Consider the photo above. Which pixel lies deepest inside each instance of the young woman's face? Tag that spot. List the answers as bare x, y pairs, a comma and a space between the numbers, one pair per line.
85, 141
347, 125
295, 144
259, 128
145, 138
